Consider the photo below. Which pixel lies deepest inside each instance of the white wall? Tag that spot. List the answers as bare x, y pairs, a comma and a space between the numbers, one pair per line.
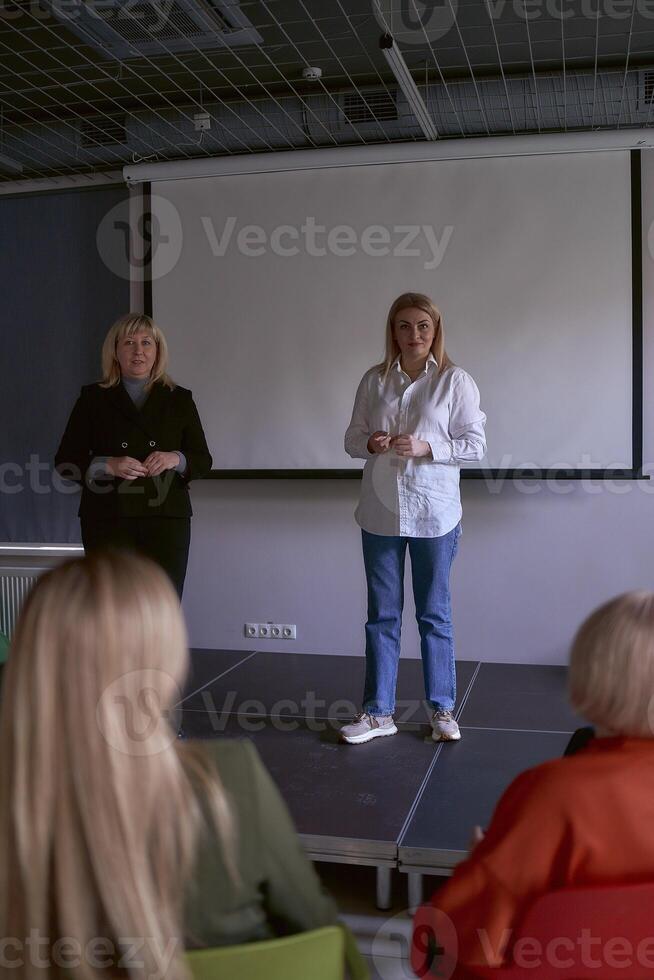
531, 564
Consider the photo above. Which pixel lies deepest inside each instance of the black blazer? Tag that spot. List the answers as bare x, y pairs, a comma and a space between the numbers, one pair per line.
105, 422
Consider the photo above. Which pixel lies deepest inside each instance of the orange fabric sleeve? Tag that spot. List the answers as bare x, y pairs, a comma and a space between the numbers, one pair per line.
523, 851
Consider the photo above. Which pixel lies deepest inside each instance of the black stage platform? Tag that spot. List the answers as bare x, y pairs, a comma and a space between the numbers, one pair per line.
403, 802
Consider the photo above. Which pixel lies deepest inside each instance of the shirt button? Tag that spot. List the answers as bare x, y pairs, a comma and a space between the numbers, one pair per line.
124, 445
152, 442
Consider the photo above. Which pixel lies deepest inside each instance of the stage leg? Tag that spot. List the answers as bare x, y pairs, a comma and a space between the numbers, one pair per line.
384, 900
414, 886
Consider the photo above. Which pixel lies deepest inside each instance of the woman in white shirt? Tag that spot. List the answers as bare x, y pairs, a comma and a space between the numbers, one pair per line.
416, 417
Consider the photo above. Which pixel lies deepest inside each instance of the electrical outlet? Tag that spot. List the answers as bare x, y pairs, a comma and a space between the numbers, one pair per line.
270, 631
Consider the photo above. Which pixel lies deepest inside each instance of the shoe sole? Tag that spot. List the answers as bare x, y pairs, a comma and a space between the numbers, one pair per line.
445, 738
367, 736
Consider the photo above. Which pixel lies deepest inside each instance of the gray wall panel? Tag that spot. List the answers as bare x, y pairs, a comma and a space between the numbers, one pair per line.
59, 297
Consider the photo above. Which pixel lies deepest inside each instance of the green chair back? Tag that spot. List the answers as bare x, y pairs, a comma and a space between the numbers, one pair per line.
4, 648
316, 955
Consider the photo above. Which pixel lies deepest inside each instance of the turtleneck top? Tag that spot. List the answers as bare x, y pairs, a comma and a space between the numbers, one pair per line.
135, 388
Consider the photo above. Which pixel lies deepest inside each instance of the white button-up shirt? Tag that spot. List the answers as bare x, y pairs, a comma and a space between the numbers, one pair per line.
416, 497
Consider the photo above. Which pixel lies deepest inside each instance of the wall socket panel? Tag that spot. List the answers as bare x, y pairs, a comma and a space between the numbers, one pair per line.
270, 631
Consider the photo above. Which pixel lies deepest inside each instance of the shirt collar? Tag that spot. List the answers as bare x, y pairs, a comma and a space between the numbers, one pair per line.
430, 360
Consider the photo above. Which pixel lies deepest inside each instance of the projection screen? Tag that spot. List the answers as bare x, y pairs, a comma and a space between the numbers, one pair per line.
273, 291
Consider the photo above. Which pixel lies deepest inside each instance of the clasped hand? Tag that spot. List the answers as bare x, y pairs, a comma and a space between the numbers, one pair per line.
405, 446
127, 468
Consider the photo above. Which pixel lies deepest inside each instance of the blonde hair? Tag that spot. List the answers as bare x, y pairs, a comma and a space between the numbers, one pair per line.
424, 303
611, 677
99, 817
125, 326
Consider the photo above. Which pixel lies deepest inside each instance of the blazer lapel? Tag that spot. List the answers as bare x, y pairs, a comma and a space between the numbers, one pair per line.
122, 402
146, 418
154, 406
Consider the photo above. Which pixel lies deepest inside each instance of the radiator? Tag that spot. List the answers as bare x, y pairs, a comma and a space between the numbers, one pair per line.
15, 583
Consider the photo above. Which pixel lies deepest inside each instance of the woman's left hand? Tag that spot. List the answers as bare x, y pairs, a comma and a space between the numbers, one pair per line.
157, 462
407, 446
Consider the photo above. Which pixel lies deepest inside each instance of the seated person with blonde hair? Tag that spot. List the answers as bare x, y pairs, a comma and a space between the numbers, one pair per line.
111, 828
582, 820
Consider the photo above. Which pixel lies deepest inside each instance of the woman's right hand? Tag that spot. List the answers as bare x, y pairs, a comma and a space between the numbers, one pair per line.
379, 442
476, 837
125, 467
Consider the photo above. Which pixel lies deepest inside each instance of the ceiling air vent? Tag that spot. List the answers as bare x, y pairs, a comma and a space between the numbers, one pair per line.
645, 90
103, 131
125, 30
369, 107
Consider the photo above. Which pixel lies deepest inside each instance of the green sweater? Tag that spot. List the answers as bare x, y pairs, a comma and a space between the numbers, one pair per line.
279, 891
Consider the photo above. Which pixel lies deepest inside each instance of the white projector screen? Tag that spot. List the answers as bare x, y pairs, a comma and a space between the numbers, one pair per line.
273, 291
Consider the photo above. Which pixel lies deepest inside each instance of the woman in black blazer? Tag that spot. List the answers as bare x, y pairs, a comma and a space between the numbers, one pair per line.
133, 442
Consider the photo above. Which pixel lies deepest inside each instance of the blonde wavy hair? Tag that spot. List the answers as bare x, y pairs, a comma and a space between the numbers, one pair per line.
100, 806
424, 303
611, 676
125, 326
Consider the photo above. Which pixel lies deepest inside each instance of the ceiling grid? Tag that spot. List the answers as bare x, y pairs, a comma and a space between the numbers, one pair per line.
276, 75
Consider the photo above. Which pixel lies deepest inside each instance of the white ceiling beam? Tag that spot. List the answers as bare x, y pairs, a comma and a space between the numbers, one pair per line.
417, 104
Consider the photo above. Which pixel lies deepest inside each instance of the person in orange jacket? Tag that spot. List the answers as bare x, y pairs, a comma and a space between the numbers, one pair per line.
581, 820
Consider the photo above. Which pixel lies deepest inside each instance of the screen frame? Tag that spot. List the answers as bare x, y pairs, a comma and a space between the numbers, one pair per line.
634, 472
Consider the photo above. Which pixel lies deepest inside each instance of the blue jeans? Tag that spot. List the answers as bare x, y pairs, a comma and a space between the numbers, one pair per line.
431, 560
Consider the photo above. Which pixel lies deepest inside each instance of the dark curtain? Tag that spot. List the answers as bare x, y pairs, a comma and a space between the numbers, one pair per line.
59, 297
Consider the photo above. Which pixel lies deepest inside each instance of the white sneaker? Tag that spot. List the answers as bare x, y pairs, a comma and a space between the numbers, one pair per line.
444, 727
365, 726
